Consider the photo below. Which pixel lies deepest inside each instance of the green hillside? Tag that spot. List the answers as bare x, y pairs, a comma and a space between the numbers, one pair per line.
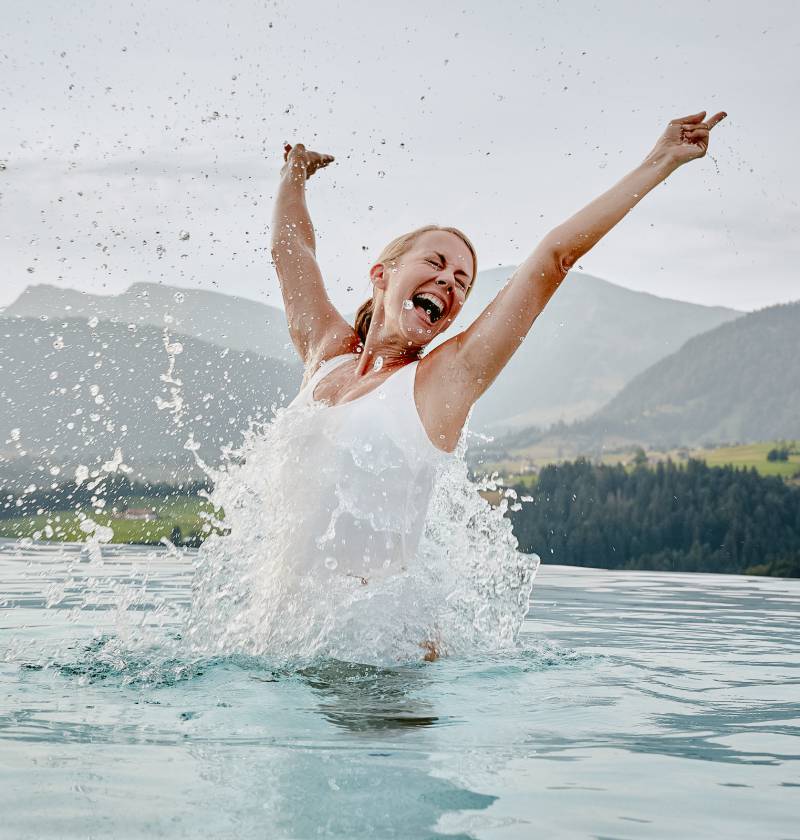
737, 383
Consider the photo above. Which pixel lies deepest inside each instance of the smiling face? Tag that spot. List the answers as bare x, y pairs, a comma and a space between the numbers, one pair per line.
423, 290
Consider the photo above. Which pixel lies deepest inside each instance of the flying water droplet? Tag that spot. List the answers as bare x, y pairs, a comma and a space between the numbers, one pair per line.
378, 364
407, 304
331, 563
58, 343
179, 297
93, 321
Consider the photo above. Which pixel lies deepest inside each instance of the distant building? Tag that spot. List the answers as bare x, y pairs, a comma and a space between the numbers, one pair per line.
142, 514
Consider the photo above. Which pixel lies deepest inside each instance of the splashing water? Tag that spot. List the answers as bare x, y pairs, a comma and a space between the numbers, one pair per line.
310, 558
269, 587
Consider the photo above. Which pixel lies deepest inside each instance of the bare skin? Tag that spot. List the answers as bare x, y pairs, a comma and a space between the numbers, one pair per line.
452, 376
455, 374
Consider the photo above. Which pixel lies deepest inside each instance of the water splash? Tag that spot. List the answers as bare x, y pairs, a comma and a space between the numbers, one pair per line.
258, 593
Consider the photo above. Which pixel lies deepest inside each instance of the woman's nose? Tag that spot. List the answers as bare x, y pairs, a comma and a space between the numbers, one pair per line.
444, 281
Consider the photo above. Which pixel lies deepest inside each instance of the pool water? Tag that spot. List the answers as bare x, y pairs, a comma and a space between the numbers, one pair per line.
638, 705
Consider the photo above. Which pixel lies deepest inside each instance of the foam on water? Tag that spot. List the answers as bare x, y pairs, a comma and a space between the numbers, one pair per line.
466, 590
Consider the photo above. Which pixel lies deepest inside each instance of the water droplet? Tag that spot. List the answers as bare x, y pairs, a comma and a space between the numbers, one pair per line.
378, 364
179, 297
93, 321
58, 344
407, 304
183, 235
54, 374
132, 328
331, 563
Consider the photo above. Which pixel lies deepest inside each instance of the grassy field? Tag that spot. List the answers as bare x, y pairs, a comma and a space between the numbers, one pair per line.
520, 468
752, 455
176, 512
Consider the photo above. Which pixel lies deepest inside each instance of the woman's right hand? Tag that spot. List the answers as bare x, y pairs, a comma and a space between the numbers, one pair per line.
303, 161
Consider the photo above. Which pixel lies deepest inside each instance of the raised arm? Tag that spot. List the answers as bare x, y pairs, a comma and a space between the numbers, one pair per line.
311, 316
485, 347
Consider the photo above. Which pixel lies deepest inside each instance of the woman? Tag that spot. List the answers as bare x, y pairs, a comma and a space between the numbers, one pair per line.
439, 266
354, 531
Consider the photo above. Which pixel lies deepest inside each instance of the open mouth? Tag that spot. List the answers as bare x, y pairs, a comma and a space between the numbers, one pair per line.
432, 307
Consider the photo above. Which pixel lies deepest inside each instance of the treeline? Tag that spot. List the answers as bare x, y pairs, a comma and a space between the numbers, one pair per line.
115, 489
672, 517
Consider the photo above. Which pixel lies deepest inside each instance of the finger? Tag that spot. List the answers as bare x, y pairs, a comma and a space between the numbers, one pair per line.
716, 118
692, 118
695, 137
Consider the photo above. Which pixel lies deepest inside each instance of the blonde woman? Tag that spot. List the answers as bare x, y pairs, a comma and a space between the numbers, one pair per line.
384, 416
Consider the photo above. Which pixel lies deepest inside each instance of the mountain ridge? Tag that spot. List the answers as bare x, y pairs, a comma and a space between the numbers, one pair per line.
575, 358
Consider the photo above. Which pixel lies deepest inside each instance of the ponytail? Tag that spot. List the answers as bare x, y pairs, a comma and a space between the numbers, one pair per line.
363, 320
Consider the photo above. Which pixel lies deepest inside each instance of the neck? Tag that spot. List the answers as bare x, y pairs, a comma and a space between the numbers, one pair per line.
394, 352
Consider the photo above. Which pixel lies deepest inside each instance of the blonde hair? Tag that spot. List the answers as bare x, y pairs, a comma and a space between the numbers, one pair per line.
395, 249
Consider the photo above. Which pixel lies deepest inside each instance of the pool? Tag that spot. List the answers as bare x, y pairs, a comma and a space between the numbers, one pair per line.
638, 705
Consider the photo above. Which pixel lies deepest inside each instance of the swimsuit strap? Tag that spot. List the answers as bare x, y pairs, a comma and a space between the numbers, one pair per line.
325, 367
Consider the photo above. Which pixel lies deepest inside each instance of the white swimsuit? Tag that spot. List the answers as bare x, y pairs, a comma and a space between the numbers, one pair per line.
350, 535
365, 470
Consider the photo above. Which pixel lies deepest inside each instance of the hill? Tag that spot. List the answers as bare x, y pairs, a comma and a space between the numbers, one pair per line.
71, 393
739, 382
213, 317
590, 341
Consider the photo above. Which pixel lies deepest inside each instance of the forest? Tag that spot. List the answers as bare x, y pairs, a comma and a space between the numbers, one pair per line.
671, 517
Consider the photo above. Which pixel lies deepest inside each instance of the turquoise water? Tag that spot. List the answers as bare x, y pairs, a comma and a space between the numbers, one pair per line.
638, 705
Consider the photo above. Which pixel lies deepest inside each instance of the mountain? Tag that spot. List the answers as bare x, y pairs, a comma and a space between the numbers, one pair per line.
71, 393
737, 383
224, 320
589, 342
592, 339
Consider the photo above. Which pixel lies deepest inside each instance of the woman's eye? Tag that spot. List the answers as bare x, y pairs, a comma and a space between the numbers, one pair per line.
434, 262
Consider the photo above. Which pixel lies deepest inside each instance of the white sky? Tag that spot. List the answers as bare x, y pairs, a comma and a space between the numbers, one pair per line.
124, 124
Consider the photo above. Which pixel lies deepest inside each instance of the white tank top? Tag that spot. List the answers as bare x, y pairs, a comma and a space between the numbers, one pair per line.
364, 472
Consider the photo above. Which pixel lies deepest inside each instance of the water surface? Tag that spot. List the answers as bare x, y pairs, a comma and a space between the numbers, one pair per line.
638, 705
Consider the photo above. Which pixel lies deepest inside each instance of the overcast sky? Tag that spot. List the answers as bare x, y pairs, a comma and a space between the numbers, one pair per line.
125, 124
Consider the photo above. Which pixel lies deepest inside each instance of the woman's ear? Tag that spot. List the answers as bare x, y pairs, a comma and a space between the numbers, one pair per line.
377, 276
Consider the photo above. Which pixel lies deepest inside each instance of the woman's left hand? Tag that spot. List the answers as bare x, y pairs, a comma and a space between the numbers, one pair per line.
686, 138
